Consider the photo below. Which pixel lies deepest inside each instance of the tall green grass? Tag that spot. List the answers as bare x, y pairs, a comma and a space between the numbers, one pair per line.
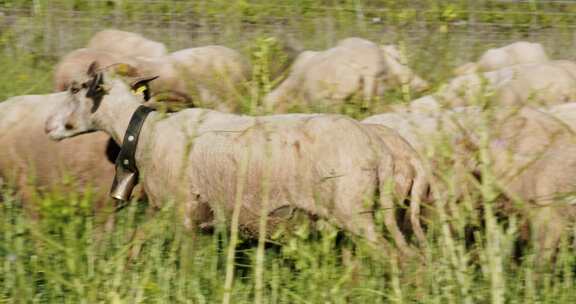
72, 258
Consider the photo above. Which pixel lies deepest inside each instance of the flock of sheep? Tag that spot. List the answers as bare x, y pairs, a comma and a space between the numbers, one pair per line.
506, 118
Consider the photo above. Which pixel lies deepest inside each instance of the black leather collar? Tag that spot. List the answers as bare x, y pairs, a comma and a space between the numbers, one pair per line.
131, 137
126, 176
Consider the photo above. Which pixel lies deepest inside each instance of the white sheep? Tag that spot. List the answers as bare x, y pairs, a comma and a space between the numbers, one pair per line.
76, 63
35, 165
520, 52
531, 154
329, 166
355, 67
209, 76
547, 83
126, 44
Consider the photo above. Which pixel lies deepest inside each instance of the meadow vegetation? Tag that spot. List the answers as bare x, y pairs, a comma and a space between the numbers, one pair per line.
75, 255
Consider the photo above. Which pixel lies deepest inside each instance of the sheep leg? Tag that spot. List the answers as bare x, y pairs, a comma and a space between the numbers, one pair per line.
194, 214
353, 210
418, 192
386, 200
139, 236
370, 85
388, 208
547, 227
28, 194
187, 214
363, 225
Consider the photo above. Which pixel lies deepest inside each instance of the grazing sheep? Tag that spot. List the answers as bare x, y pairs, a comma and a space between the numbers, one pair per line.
325, 165
35, 164
354, 67
209, 75
77, 62
546, 83
411, 180
289, 90
532, 153
430, 132
416, 127
520, 52
538, 84
126, 44
470, 89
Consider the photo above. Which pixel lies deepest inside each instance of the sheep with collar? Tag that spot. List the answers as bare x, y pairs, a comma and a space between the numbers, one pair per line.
329, 166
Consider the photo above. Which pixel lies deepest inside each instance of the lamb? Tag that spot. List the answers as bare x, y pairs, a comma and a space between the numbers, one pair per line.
354, 67
196, 157
126, 44
520, 52
35, 165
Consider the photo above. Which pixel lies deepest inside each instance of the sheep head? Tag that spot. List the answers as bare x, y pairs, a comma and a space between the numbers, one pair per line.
78, 112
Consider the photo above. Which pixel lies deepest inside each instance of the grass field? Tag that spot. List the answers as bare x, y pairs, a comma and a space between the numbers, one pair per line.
74, 255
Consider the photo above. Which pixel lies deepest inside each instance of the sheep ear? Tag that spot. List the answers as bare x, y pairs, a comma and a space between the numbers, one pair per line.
142, 88
92, 69
95, 91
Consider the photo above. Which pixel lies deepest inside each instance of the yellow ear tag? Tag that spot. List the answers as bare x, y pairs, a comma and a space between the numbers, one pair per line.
139, 91
122, 69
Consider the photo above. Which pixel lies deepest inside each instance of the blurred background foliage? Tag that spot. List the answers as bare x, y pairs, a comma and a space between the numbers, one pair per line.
437, 35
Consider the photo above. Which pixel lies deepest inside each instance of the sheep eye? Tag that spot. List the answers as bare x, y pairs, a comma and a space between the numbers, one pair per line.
74, 90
